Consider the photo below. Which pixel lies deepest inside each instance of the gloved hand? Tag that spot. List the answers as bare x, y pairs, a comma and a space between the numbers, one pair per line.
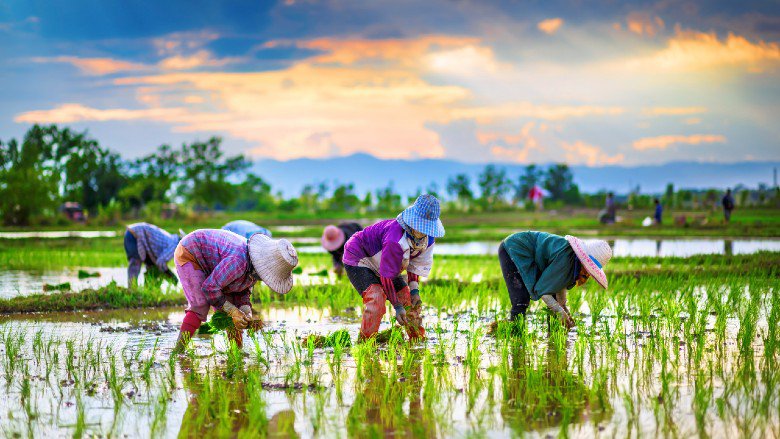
400, 315
240, 320
247, 310
415, 296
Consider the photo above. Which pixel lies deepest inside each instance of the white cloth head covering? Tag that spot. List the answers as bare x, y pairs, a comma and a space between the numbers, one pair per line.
273, 260
594, 255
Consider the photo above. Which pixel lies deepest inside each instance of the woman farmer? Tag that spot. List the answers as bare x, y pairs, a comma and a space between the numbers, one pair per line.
218, 269
539, 265
246, 228
151, 245
376, 257
333, 240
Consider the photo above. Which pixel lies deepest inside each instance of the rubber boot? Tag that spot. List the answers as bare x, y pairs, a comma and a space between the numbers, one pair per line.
188, 328
373, 310
414, 328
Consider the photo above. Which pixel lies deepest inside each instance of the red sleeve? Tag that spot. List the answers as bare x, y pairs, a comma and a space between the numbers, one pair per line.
387, 285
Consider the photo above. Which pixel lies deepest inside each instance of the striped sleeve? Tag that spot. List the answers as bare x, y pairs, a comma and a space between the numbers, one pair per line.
387, 285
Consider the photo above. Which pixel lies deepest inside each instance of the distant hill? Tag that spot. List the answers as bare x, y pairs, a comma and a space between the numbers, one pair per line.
369, 173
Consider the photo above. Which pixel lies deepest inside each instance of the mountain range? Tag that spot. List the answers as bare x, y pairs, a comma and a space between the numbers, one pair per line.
369, 173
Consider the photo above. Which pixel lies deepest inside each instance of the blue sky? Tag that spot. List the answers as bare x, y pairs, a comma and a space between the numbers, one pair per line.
590, 83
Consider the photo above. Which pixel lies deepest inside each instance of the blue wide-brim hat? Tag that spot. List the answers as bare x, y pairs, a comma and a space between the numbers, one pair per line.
423, 216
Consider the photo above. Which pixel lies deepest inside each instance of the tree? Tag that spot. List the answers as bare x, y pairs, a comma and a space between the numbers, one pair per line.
205, 173
152, 177
494, 185
669, 195
28, 184
254, 193
344, 199
559, 182
459, 187
531, 177
387, 200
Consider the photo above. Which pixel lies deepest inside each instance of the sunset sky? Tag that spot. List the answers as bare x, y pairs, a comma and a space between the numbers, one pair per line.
595, 83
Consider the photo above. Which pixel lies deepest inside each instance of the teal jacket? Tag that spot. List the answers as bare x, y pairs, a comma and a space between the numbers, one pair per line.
545, 261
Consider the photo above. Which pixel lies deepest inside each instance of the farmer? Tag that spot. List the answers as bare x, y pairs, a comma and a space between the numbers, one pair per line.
218, 269
659, 211
333, 240
728, 205
539, 265
376, 257
151, 245
245, 228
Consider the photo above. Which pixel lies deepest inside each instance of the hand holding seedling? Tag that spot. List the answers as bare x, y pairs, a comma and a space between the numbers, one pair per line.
400, 315
240, 320
416, 301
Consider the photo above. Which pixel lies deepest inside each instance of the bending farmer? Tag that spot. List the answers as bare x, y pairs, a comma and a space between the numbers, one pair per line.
376, 257
539, 265
333, 240
151, 245
218, 269
245, 228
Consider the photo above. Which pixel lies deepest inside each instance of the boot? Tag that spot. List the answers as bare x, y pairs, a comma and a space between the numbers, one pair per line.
373, 310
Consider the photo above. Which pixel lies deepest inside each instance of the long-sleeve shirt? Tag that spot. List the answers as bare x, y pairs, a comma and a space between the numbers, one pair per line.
349, 229
245, 228
384, 249
546, 262
154, 244
224, 257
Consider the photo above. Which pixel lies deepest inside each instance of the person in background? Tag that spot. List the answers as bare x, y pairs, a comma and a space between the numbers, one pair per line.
376, 257
151, 245
539, 265
659, 211
728, 205
246, 228
333, 240
611, 208
219, 268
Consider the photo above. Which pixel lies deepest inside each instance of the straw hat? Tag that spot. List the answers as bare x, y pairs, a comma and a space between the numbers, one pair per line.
423, 216
333, 238
593, 255
273, 260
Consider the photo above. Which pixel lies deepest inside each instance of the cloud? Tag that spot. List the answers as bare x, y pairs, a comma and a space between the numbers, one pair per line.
488, 114
579, 152
201, 58
550, 26
644, 24
673, 111
470, 60
70, 113
94, 66
664, 142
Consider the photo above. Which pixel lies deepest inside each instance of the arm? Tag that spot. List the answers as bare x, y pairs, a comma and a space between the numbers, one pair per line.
559, 309
227, 271
389, 267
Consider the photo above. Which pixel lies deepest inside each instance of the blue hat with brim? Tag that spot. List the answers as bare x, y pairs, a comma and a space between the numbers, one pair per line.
423, 216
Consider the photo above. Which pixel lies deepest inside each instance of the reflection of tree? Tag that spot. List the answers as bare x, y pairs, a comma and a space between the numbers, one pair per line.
542, 392
378, 409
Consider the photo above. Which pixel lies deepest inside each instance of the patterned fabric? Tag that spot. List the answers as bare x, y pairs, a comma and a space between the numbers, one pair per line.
384, 249
245, 228
154, 244
423, 216
546, 262
224, 258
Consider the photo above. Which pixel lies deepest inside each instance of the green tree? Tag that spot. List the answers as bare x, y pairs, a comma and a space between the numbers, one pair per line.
387, 199
529, 179
254, 193
28, 184
494, 185
559, 181
205, 173
459, 187
152, 178
344, 199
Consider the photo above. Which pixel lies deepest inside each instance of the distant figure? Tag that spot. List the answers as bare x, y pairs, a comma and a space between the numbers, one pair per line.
728, 205
245, 228
608, 215
333, 240
659, 211
536, 195
151, 245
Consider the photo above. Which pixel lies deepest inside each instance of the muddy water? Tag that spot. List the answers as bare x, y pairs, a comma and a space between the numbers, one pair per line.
625, 247
60, 234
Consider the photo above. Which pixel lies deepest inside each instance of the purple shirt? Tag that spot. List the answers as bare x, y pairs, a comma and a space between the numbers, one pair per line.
384, 249
224, 257
154, 243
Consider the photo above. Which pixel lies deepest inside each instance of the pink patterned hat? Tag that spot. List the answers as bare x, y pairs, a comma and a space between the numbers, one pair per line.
333, 238
593, 255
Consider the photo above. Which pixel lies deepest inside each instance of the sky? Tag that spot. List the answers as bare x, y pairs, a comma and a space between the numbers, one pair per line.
583, 82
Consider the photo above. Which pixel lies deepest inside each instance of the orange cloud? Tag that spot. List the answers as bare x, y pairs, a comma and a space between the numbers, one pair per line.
673, 111
580, 152
528, 109
550, 26
95, 66
69, 113
644, 24
201, 58
663, 142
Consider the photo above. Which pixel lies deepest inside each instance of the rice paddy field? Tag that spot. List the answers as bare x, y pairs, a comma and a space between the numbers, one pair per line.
683, 344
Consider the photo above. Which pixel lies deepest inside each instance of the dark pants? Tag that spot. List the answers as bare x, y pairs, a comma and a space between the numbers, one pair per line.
518, 293
362, 278
133, 258
727, 214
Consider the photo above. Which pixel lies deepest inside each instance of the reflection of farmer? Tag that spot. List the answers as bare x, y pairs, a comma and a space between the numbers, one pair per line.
539, 265
151, 245
245, 228
333, 240
375, 257
218, 269
728, 205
